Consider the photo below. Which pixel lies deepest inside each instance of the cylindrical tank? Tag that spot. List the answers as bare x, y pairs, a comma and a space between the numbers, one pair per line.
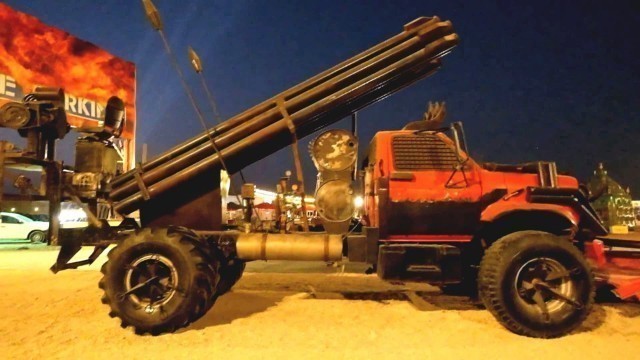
300, 246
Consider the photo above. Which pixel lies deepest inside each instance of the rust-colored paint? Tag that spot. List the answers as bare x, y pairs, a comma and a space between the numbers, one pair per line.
620, 269
437, 187
519, 202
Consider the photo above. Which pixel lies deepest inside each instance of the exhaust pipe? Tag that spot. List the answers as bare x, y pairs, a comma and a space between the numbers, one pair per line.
301, 247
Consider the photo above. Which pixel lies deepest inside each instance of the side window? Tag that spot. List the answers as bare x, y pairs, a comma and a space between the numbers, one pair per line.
422, 152
10, 220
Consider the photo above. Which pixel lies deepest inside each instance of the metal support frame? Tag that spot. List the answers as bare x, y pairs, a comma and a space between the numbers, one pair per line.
297, 161
354, 131
63, 258
54, 195
143, 188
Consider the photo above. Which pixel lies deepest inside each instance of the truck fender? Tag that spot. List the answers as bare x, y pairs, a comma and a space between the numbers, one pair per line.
502, 208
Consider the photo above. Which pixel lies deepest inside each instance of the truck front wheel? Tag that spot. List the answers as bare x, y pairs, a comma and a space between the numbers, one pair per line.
158, 281
536, 284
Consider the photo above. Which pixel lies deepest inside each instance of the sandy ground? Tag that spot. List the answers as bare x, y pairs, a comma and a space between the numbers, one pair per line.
276, 313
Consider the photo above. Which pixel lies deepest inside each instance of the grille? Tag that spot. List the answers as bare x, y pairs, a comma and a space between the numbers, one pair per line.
422, 152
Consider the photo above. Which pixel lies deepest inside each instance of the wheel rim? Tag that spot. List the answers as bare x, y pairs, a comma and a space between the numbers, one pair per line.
151, 281
37, 237
545, 286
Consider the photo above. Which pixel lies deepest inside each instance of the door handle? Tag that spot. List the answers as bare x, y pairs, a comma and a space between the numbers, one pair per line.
401, 175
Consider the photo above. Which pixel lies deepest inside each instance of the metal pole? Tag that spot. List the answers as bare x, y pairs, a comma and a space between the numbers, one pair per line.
54, 195
354, 123
3, 145
153, 15
144, 153
354, 131
197, 67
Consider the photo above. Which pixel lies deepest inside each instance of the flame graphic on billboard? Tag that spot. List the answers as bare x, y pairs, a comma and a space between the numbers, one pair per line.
32, 53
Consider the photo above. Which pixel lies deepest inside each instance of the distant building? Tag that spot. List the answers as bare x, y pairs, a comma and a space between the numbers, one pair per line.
636, 210
612, 202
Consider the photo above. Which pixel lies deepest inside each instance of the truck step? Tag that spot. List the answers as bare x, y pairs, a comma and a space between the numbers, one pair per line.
423, 269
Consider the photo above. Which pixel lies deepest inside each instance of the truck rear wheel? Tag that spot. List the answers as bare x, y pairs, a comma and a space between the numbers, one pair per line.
536, 284
158, 281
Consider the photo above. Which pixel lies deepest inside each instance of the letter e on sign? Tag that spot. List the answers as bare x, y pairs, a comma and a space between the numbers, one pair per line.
7, 83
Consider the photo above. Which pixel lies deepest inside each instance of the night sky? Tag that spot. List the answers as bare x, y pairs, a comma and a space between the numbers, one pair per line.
539, 80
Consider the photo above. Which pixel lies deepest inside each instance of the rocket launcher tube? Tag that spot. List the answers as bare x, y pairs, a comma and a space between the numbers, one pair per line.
410, 30
264, 119
424, 36
276, 136
133, 202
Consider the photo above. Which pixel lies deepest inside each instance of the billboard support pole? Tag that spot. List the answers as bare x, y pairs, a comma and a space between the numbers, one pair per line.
3, 145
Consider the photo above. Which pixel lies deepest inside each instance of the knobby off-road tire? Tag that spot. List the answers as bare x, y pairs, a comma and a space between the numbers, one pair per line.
229, 270
158, 281
521, 276
212, 266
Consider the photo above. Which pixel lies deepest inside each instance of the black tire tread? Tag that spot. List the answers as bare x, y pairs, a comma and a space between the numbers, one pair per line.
202, 291
489, 284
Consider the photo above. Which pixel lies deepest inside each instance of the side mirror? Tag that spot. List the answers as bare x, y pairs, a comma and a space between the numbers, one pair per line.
460, 142
458, 138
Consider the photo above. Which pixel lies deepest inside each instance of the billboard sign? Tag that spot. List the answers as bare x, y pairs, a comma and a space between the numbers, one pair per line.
35, 54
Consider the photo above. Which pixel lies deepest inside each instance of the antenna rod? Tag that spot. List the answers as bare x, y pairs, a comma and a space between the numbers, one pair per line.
156, 22
197, 67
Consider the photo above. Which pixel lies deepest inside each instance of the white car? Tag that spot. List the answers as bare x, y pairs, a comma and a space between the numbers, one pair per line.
19, 227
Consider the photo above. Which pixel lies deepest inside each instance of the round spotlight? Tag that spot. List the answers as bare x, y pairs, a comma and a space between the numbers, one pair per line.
14, 115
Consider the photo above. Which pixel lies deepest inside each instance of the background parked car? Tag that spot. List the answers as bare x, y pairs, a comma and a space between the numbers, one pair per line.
19, 227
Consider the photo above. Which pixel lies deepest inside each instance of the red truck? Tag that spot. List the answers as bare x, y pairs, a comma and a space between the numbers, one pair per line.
523, 235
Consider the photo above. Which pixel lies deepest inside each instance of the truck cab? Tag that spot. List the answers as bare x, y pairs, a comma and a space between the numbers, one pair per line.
428, 199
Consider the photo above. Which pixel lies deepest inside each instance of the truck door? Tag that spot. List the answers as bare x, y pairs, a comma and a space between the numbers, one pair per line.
431, 191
